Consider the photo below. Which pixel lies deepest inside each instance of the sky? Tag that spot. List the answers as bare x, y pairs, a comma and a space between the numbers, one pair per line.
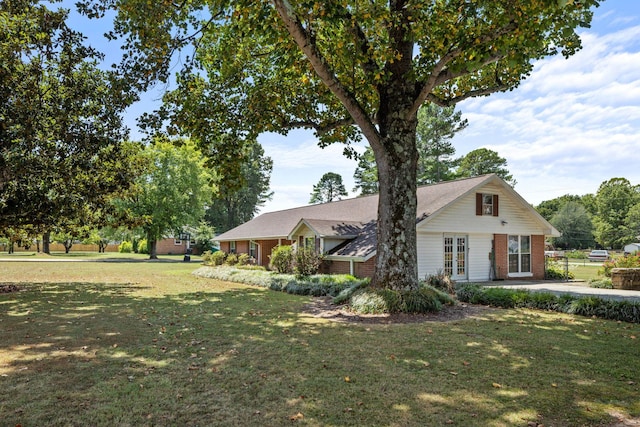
571, 125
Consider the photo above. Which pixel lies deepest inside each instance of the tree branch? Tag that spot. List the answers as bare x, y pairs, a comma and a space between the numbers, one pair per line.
304, 39
440, 74
471, 94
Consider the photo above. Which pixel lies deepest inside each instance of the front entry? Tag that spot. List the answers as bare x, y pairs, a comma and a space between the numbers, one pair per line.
455, 256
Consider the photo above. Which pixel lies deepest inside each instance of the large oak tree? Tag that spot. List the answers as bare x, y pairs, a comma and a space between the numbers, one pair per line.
348, 69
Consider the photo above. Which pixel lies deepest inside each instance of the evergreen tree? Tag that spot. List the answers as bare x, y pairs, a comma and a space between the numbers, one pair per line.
328, 189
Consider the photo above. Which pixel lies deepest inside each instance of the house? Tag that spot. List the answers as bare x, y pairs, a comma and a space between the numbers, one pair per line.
631, 248
475, 229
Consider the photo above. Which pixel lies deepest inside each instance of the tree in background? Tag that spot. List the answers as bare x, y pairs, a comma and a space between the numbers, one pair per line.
548, 208
61, 133
366, 174
436, 127
328, 189
574, 222
483, 161
615, 199
237, 201
346, 70
632, 224
172, 193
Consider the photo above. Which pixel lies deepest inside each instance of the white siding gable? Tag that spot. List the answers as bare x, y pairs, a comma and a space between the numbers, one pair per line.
460, 216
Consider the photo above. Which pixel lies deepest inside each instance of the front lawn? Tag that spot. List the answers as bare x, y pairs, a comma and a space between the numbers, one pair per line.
106, 344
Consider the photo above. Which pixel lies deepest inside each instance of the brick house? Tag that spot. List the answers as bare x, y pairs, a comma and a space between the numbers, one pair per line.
474, 229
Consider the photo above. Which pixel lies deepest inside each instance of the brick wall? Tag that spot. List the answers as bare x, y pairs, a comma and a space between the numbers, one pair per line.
501, 261
537, 256
168, 247
338, 267
366, 269
361, 269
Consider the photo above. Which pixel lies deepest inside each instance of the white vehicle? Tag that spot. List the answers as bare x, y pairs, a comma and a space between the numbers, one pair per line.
598, 255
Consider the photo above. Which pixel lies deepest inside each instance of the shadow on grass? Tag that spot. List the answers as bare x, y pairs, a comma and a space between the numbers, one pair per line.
103, 354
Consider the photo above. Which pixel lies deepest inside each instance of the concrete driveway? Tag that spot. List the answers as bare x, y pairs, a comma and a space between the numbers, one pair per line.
578, 288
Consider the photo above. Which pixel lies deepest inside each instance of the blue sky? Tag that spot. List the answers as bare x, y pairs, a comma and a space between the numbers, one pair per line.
571, 125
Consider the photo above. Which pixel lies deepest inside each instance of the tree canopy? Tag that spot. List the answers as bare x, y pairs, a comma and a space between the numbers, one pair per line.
615, 199
63, 155
236, 203
574, 222
483, 161
346, 70
173, 192
328, 189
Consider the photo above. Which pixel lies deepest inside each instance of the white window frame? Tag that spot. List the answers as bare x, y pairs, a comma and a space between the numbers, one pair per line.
232, 247
487, 204
515, 246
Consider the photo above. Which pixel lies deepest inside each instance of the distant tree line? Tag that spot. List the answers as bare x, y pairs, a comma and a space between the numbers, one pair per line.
609, 219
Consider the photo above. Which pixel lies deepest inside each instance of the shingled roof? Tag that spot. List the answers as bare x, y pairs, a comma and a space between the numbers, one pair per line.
360, 212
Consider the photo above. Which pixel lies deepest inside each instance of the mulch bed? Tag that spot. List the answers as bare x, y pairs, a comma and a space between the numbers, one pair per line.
323, 308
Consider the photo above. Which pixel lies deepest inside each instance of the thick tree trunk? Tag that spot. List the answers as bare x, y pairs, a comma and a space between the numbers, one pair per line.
46, 239
397, 159
153, 253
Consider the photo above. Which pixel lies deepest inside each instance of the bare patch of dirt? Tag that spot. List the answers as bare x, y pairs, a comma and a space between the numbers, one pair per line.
323, 308
7, 288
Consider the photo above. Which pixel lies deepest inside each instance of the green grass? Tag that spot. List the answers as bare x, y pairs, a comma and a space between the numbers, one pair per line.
106, 344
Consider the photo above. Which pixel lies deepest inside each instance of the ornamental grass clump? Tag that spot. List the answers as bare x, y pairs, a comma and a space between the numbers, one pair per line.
425, 299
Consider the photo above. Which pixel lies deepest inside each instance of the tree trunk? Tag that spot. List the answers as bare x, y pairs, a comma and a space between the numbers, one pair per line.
153, 253
397, 160
67, 246
46, 238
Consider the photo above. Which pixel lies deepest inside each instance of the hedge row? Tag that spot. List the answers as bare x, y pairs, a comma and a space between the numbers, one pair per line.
316, 285
625, 311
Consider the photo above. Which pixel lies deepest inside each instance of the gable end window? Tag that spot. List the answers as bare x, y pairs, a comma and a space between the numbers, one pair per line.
486, 204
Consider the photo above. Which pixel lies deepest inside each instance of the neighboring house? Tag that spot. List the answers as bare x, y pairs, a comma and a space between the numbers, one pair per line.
171, 246
474, 229
632, 247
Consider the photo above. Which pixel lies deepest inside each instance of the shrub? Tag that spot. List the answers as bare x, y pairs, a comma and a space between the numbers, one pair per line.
627, 261
330, 285
231, 259
307, 262
555, 271
281, 259
243, 259
143, 246
574, 254
441, 280
602, 282
125, 247
218, 257
625, 311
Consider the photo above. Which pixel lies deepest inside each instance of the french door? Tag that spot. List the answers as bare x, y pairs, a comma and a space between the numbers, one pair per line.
455, 256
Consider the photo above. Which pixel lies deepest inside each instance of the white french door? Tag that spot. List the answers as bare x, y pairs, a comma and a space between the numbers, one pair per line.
455, 256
